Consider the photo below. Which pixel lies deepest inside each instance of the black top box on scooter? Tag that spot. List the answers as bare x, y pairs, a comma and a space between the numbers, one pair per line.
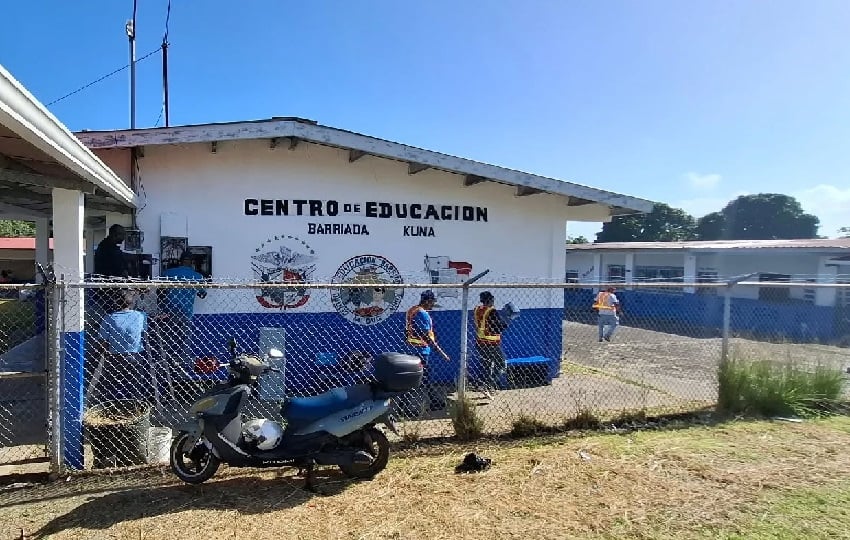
397, 372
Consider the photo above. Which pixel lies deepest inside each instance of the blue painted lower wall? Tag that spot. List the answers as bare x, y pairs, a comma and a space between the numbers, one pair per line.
667, 312
536, 333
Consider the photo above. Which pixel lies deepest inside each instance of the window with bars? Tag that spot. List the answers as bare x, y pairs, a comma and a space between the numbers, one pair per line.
661, 274
707, 276
616, 273
774, 294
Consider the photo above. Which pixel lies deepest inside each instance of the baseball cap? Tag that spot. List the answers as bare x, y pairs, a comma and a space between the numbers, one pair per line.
427, 295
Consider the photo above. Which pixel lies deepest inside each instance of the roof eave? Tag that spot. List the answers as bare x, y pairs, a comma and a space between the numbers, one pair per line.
363, 145
30, 120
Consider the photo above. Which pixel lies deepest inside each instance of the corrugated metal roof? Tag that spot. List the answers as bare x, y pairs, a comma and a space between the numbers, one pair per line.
360, 145
20, 243
836, 244
38, 153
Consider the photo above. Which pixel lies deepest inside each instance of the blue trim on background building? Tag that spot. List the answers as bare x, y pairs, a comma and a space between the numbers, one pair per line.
538, 332
73, 344
668, 312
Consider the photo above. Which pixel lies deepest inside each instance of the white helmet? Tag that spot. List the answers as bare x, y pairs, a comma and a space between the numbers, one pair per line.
264, 433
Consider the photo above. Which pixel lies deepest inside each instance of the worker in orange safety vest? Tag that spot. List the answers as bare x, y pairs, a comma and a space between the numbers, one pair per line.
420, 335
489, 326
608, 307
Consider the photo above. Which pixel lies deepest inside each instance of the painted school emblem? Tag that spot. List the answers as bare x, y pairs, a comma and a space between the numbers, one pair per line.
288, 260
376, 299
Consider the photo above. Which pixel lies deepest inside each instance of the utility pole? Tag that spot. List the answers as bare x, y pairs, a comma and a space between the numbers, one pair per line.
165, 79
130, 28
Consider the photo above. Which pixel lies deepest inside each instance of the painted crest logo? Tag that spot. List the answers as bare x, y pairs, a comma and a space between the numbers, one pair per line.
377, 299
284, 259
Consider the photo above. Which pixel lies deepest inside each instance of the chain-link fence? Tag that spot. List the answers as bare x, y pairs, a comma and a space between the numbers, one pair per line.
23, 390
138, 354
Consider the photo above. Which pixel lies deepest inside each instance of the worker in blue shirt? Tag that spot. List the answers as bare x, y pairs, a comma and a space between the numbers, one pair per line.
178, 308
123, 366
419, 334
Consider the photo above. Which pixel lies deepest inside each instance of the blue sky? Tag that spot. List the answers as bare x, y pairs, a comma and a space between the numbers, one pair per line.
688, 103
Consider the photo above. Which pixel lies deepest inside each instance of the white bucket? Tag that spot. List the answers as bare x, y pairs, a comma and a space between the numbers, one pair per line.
159, 445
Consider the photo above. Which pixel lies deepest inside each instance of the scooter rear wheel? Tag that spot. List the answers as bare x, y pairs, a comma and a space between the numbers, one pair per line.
376, 444
192, 465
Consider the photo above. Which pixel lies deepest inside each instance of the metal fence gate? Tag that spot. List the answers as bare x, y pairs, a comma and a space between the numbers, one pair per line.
24, 385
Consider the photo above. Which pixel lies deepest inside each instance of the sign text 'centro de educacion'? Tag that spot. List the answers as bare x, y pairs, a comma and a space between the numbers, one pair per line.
316, 208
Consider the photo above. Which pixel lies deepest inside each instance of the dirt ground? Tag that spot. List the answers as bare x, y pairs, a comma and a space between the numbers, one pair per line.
640, 369
736, 480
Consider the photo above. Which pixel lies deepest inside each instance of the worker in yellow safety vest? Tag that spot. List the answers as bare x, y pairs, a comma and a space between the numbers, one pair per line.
419, 334
489, 326
608, 307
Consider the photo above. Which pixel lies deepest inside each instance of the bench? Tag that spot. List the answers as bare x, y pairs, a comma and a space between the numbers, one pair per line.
529, 372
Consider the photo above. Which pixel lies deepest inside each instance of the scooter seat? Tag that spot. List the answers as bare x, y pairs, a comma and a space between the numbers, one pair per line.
305, 409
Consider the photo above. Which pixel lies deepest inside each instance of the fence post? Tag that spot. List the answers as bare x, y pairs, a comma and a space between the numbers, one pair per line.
464, 328
727, 322
727, 313
54, 366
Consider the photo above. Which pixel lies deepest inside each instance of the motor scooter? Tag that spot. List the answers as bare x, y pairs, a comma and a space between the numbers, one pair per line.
338, 427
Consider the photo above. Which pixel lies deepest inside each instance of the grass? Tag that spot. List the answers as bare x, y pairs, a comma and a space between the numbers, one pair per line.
526, 425
17, 323
768, 388
467, 423
743, 479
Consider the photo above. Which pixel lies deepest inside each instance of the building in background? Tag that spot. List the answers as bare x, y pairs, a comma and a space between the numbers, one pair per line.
17, 255
794, 312
288, 199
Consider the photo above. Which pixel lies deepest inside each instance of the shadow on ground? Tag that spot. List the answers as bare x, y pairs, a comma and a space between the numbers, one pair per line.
244, 494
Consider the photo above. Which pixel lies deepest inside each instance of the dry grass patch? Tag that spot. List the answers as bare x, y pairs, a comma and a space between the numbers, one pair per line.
720, 482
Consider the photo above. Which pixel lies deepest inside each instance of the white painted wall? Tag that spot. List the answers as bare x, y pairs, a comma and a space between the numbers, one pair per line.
117, 159
726, 264
729, 264
522, 239
674, 259
581, 262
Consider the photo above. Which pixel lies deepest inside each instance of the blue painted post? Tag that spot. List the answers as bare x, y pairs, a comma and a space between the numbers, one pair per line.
73, 345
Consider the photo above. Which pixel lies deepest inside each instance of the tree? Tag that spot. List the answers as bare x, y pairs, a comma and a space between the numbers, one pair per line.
710, 226
662, 224
10, 228
765, 216
844, 232
577, 240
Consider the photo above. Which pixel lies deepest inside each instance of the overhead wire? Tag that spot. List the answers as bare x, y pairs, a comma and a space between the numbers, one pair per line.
119, 70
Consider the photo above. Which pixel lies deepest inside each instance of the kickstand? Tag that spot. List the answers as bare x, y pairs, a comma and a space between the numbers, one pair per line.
309, 471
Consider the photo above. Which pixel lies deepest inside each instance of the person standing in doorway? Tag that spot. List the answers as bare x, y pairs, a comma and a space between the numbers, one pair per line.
178, 309
488, 341
608, 307
419, 334
109, 262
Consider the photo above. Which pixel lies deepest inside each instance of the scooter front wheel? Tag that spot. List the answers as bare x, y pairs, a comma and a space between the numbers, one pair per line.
375, 443
192, 463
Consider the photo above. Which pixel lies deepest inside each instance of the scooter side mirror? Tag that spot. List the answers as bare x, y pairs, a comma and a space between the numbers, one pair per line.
275, 353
